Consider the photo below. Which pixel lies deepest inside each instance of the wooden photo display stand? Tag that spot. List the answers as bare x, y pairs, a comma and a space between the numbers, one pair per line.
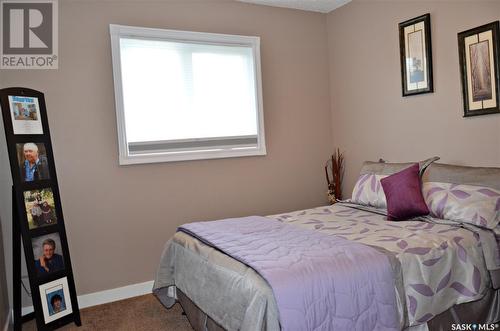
37, 213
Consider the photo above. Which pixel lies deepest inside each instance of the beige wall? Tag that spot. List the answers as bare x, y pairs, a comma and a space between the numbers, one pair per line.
119, 217
370, 118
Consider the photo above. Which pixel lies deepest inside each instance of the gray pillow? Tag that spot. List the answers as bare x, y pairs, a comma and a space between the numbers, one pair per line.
385, 168
447, 173
368, 189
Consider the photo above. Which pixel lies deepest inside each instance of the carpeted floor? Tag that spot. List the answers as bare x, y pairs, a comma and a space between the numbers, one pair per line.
142, 313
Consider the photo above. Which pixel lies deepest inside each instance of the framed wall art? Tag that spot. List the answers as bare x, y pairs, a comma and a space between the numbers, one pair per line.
416, 55
479, 68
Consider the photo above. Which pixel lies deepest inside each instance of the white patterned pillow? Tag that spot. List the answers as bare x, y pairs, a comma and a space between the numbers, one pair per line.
368, 191
477, 205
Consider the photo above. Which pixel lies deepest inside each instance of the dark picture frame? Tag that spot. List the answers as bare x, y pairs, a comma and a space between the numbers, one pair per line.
478, 50
26, 124
415, 48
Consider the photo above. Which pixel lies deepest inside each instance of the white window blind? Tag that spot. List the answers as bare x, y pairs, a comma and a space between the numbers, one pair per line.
186, 95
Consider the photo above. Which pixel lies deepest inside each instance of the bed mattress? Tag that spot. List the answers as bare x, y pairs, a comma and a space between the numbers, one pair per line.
436, 265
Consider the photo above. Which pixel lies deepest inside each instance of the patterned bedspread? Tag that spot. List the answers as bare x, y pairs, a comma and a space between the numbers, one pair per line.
443, 263
319, 281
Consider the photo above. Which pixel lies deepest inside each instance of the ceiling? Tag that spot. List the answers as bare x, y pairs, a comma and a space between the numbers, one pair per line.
322, 6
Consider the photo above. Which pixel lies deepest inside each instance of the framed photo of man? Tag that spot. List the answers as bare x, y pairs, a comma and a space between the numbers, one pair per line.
40, 207
25, 115
56, 301
479, 69
33, 162
48, 253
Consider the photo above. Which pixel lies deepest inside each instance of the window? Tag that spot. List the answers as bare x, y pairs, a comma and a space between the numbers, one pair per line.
186, 95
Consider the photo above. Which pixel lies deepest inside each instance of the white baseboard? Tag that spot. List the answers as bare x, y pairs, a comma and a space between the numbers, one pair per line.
24, 311
102, 297
120, 293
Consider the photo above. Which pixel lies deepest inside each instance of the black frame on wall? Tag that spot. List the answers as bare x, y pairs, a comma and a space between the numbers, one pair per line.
493, 47
426, 53
19, 130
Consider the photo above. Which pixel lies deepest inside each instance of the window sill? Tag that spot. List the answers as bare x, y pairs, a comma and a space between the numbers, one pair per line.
190, 156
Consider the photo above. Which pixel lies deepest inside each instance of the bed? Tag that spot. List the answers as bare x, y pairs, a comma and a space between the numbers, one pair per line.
444, 271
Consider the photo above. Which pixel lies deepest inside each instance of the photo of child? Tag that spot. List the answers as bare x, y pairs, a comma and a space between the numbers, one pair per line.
55, 298
56, 301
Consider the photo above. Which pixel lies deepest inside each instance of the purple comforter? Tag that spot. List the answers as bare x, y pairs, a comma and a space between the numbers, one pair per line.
320, 282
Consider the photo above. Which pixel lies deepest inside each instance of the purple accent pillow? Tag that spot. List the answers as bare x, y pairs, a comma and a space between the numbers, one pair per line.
403, 192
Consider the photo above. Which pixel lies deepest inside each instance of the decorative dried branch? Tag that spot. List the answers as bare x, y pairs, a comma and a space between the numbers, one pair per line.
336, 165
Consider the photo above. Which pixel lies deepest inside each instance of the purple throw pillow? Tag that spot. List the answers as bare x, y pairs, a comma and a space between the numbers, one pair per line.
403, 192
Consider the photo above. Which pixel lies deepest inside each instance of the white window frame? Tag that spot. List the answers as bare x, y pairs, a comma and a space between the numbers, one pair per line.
119, 31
